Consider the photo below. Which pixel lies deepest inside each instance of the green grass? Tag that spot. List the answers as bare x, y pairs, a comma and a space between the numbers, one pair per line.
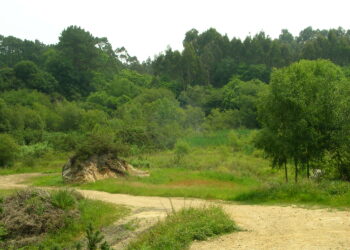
326, 193
51, 164
63, 198
181, 228
6, 192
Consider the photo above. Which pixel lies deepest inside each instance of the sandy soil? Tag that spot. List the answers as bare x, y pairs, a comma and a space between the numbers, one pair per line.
264, 227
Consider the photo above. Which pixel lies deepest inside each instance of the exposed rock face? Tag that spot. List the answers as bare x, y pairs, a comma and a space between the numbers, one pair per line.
97, 168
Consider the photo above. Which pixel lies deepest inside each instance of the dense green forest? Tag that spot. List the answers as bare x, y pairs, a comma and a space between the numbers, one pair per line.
295, 90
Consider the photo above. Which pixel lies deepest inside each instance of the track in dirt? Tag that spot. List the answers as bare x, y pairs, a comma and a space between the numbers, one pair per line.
265, 227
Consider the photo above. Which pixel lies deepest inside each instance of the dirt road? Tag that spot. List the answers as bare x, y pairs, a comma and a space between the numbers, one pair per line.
265, 227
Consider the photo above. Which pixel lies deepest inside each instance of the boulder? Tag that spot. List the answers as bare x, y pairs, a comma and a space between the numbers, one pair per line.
97, 168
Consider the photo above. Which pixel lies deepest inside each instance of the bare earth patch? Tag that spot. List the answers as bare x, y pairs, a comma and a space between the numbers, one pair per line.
265, 227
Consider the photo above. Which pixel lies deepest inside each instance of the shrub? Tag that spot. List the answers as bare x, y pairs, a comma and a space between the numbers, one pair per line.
234, 141
94, 238
35, 150
181, 150
64, 141
218, 120
29, 214
8, 150
100, 142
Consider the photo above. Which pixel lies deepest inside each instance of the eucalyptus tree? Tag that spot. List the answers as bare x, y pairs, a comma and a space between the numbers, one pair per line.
300, 109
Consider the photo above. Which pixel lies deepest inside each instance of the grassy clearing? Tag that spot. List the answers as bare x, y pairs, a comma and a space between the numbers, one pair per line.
207, 172
215, 169
181, 228
168, 182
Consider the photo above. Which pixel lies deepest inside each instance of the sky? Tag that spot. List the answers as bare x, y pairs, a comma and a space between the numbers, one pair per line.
147, 27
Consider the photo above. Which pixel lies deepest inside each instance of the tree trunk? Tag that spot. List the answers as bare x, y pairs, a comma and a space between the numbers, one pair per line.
296, 170
286, 171
308, 169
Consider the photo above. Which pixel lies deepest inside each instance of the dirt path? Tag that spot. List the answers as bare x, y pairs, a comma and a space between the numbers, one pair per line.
266, 227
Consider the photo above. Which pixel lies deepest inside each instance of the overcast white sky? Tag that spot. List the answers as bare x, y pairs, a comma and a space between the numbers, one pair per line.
147, 27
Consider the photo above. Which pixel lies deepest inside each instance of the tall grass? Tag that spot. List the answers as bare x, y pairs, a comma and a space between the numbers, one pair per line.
179, 229
64, 198
49, 163
327, 193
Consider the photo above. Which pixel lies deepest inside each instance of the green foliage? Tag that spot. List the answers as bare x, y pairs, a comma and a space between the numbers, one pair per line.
71, 116
35, 150
25, 97
179, 229
242, 97
8, 79
30, 76
300, 111
99, 142
221, 120
8, 150
64, 141
194, 118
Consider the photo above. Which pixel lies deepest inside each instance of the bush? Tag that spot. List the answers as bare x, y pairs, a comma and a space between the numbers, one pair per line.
181, 150
179, 229
234, 141
36, 150
64, 141
8, 150
99, 143
218, 120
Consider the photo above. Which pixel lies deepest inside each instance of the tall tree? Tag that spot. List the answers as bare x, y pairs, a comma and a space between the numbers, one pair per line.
300, 108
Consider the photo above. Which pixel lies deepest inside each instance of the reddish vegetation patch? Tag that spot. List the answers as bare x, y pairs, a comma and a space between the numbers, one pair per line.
197, 183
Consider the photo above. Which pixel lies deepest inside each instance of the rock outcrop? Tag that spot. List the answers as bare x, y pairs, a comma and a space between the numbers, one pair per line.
97, 168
